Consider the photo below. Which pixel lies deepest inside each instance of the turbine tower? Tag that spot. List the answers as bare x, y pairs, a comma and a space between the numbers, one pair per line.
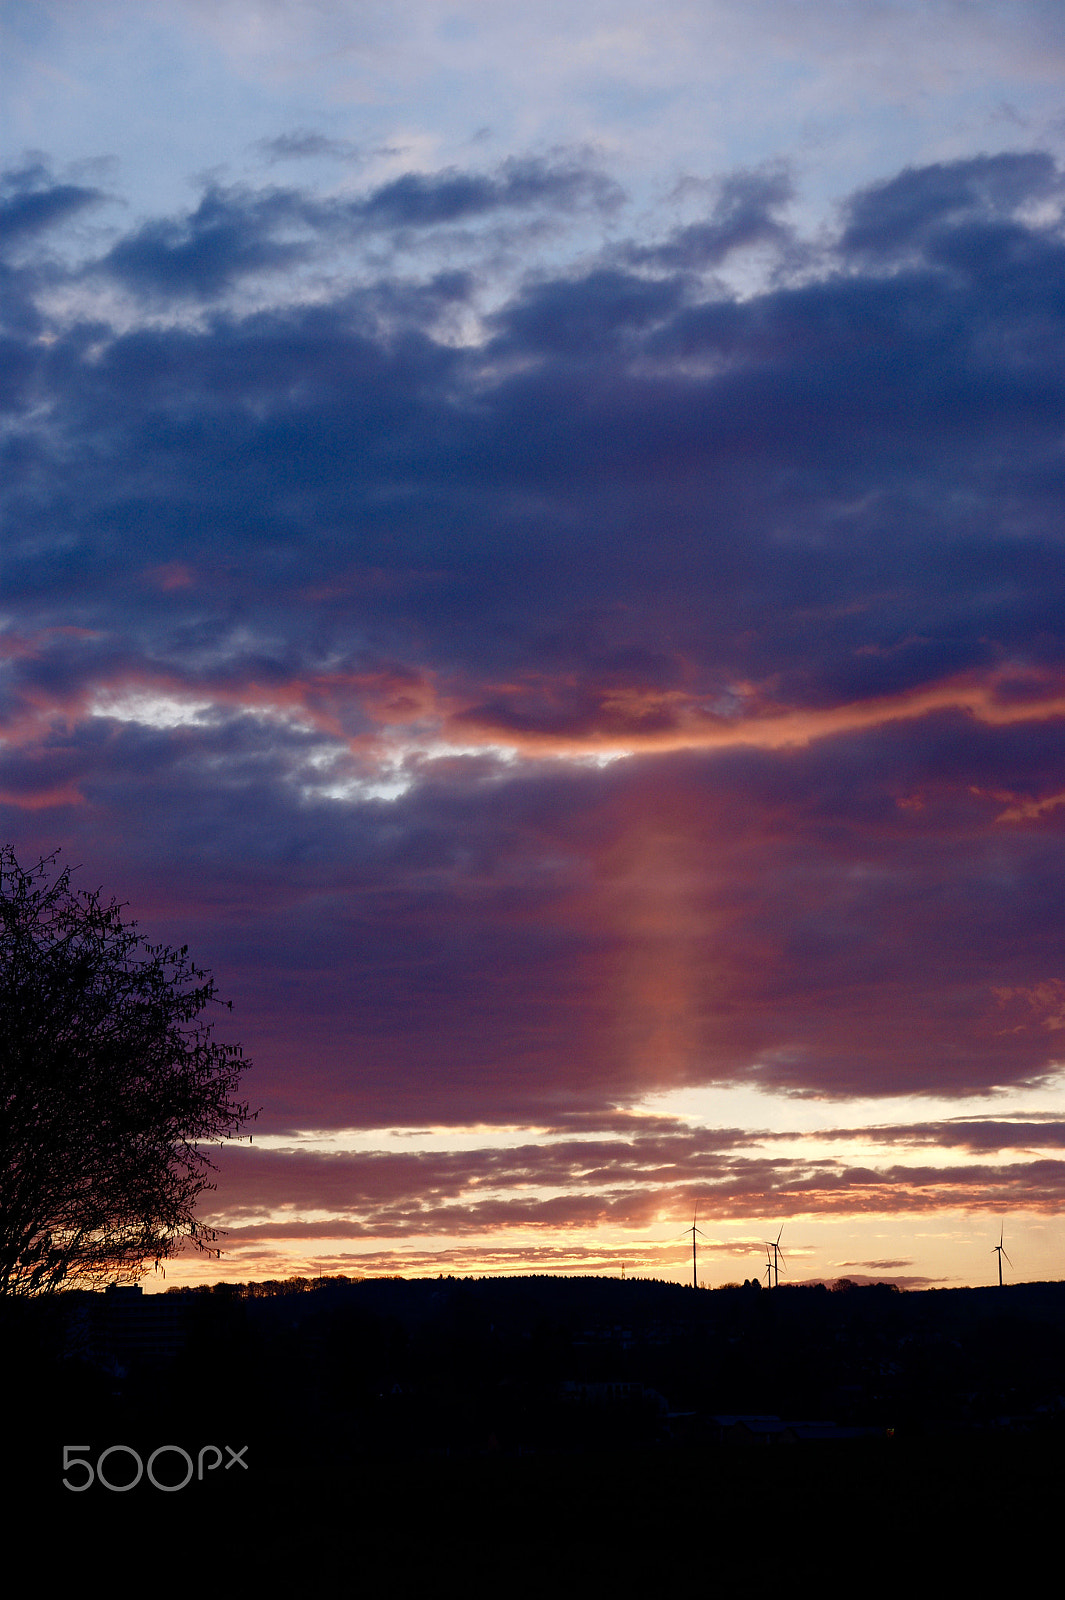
997, 1249
693, 1230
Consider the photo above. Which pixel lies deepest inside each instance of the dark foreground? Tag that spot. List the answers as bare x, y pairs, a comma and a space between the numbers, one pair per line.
869, 1517
526, 1433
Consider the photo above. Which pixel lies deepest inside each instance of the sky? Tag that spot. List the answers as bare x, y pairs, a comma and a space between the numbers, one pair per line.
533, 543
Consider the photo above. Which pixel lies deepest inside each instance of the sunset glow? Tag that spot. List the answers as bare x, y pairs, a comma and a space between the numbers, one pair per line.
533, 544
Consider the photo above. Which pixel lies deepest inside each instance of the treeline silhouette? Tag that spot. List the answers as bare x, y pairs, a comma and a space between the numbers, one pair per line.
513, 1365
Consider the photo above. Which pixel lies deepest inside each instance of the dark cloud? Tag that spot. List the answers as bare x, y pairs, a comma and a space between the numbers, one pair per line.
426, 200
505, 945
31, 201
230, 234
582, 1188
588, 317
794, 557
744, 214
909, 210
236, 232
878, 1266
303, 144
982, 1135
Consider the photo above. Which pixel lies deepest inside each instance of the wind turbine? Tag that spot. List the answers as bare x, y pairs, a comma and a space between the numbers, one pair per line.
768, 1269
997, 1249
693, 1230
778, 1256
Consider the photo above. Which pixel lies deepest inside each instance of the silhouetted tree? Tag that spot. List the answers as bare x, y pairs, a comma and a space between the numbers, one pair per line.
110, 1082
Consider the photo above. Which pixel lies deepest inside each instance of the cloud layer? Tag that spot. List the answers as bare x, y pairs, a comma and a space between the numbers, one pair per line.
534, 690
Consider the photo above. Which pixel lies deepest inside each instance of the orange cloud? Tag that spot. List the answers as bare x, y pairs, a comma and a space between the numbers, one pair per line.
646, 720
67, 794
537, 721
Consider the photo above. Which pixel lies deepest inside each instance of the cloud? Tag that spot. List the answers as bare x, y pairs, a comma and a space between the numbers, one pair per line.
234, 233
922, 205
426, 200
31, 202
878, 1266
588, 317
986, 1134
229, 235
634, 685
582, 1188
303, 144
744, 214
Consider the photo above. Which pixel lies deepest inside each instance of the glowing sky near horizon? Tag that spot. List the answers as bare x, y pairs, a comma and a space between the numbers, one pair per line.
533, 542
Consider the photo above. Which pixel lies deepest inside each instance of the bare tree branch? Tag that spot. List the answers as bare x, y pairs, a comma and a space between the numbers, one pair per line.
111, 1083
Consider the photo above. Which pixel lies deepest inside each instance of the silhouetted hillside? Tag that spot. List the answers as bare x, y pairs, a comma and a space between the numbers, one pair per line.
570, 1426
519, 1364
